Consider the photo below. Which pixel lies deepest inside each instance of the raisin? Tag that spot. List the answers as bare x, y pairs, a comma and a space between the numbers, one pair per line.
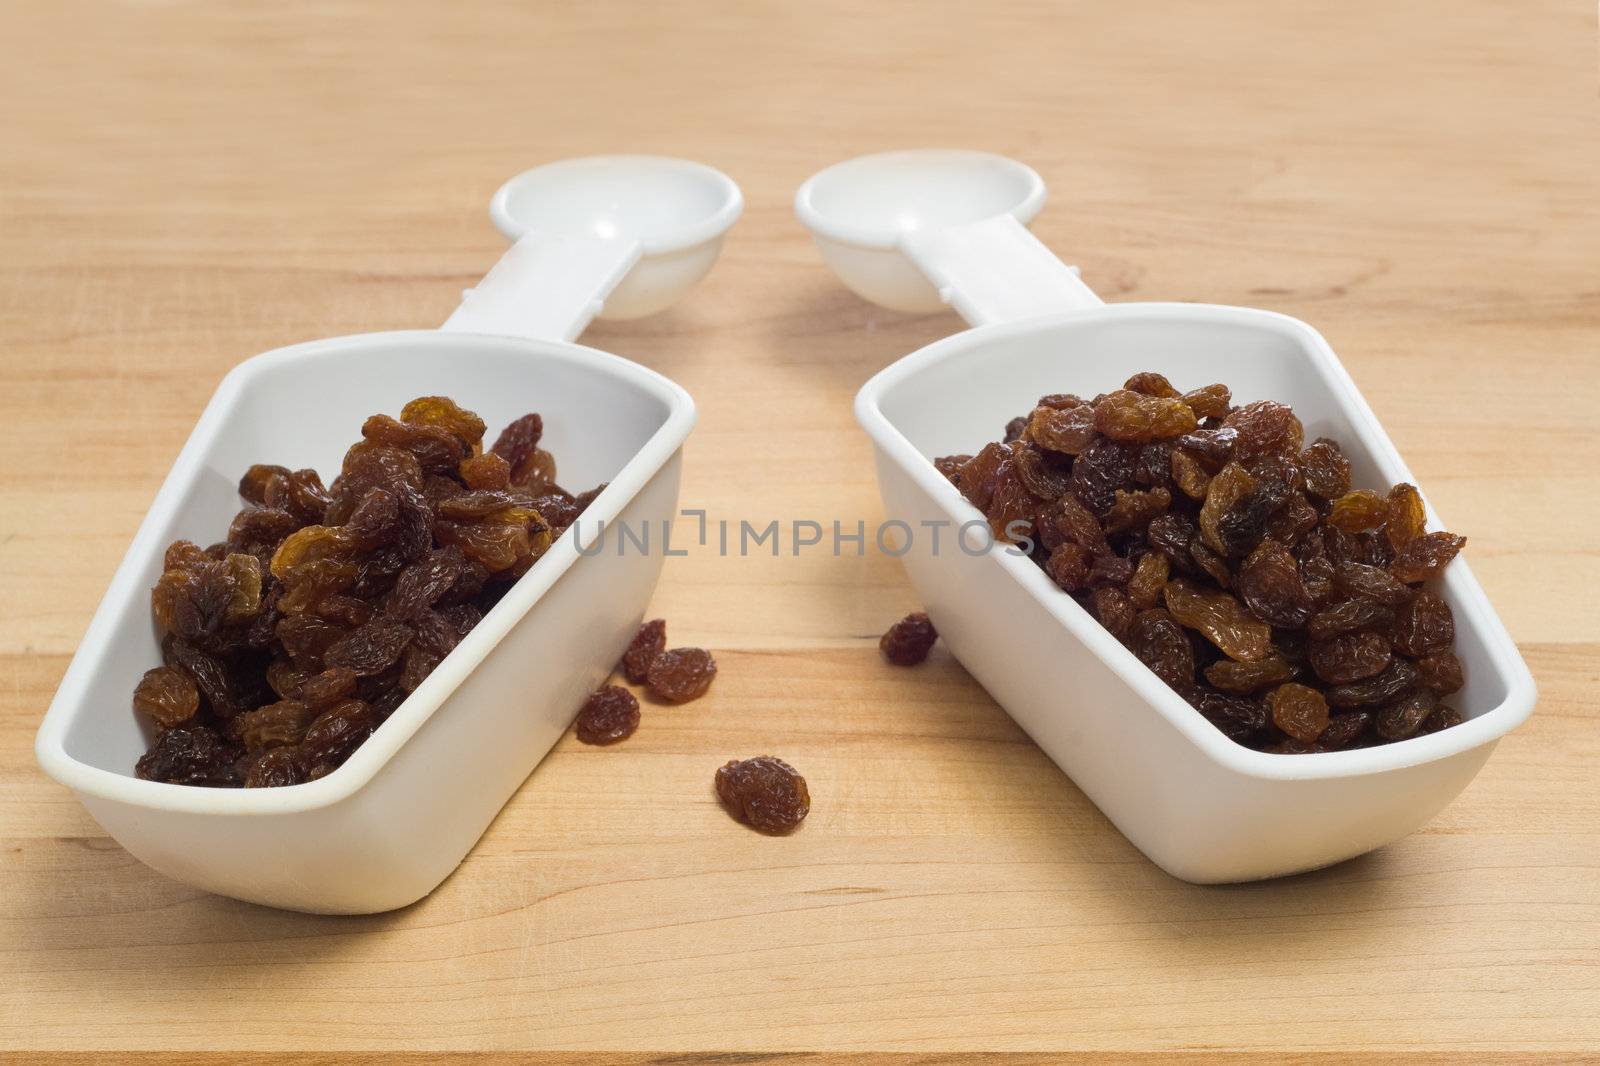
1326, 469
307, 638
487, 471
1298, 710
1425, 556
1170, 535
1209, 401
1239, 718
1424, 626
1014, 429
1443, 717
275, 725
681, 674
253, 485
1209, 562
1243, 678
906, 643
1347, 616
372, 648
422, 583
519, 440
1344, 730
1397, 679
441, 411
326, 688
1135, 510
274, 768
1154, 467
373, 523
436, 450
1405, 518
1038, 475
1349, 657
1374, 583
1110, 569
1133, 416
1068, 566
1149, 578
1357, 511
169, 698
333, 736
1096, 474
1160, 644
1069, 431
190, 755
1269, 584
1187, 473
1264, 428
979, 474
1150, 383
1114, 610
764, 793
1441, 672
650, 641
608, 715
1403, 718
1231, 485
208, 672
1221, 619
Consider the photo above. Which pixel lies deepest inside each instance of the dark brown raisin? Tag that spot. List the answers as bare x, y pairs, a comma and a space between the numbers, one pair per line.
1161, 645
274, 768
1347, 616
1269, 584
1350, 657
764, 793
908, 641
1424, 625
609, 714
333, 736
1425, 556
681, 674
1441, 672
1398, 678
1403, 718
649, 642
1326, 470
190, 755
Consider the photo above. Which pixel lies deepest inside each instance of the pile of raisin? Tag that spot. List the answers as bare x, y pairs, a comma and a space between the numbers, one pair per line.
1233, 559
285, 645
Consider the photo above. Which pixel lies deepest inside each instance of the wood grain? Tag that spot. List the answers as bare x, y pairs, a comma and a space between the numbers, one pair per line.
185, 184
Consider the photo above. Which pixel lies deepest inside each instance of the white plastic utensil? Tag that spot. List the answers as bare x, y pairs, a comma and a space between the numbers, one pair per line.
909, 229
391, 823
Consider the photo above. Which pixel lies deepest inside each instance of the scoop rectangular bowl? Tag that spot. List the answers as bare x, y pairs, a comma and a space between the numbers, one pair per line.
391, 823
1202, 807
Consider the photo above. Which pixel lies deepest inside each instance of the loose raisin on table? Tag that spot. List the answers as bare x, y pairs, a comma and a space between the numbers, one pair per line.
908, 641
681, 674
764, 793
649, 642
609, 715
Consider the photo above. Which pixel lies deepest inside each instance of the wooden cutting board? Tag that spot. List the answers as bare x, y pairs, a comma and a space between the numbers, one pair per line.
183, 185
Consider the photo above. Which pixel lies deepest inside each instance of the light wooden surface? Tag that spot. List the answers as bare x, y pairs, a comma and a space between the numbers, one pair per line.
184, 184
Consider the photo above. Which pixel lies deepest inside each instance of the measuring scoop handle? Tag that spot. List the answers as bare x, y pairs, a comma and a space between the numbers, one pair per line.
996, 271
545, 287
